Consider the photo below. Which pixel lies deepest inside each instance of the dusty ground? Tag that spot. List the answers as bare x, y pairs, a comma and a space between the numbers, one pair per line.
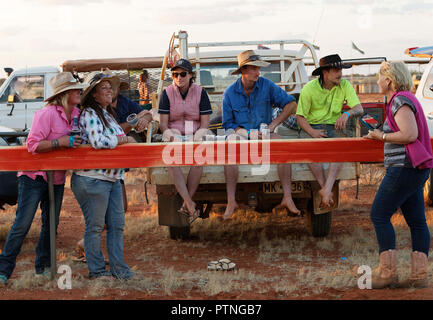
276, 257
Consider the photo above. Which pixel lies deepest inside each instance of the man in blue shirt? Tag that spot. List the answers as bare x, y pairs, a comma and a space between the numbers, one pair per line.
123, 107
248, 103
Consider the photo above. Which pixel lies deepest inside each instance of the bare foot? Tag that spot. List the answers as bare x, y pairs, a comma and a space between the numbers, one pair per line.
230, 209
290, 205
327, 200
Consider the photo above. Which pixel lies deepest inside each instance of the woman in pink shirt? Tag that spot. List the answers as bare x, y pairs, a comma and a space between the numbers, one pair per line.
50, 130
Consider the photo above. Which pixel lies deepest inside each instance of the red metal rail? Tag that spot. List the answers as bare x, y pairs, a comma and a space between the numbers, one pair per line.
139, 155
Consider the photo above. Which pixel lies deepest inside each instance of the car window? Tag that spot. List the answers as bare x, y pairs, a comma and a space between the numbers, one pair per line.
25, 89
218, 77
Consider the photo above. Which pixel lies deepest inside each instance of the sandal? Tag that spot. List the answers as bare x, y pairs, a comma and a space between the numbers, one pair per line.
214, 266
221, 265
227, 264
191, 217
84, 260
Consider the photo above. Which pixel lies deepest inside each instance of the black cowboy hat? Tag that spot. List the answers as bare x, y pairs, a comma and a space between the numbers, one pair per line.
331, 61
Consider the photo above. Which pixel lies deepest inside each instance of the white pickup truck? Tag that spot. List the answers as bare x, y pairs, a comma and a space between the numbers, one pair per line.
288, 70
22, 94
424, 94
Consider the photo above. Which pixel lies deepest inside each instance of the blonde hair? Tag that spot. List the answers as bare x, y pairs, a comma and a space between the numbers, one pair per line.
398, 73
60, 99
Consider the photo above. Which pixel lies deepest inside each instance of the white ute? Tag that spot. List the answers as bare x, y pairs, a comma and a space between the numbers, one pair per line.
22, 94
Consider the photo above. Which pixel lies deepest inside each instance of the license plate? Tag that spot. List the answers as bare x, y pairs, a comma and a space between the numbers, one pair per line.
276, 187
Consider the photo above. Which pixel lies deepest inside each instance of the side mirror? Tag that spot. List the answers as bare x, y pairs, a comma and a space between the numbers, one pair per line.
431, 87
11, 98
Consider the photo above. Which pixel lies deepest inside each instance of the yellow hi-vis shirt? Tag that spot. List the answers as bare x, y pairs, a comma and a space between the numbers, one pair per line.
319, 105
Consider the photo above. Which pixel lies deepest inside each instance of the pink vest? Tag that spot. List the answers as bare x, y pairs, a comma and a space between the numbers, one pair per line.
419, 152
184, 110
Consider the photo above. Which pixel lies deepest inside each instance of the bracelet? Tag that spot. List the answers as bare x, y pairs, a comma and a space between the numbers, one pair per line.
383, 137
71, 141
348, 114
54, 144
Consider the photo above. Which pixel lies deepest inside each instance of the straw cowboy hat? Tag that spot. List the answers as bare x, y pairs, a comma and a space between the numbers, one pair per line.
64, 81
331, 61
95, 77
249, 58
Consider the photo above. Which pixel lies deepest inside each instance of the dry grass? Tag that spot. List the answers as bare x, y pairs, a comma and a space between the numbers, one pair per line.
289, 263
371, 174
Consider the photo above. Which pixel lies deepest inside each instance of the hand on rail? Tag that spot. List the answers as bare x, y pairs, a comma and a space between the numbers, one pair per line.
374, 134
64, 142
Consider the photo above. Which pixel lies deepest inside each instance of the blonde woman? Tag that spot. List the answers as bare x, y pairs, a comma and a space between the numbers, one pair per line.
50, 131
408, 159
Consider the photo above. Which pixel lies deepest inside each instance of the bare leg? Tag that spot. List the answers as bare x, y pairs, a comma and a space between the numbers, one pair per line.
284, 173
180, 184
326, 191
318, 173
231, 173
193, 181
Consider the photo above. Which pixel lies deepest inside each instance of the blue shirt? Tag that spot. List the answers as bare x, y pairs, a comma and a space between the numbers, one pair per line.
239, 110
125, 107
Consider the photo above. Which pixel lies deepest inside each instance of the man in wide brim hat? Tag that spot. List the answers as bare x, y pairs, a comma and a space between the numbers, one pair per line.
95, 77
331, 61
247, 107
320, 114
62, 82
249, 58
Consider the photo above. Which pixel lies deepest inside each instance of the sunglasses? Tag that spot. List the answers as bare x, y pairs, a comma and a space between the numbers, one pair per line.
99, 76
182, 74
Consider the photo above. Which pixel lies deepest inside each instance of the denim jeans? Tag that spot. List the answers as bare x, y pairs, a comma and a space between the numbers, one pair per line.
102, 204
401, 188
30, 194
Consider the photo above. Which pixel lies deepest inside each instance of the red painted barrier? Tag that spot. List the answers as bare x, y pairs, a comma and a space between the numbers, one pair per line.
139, 155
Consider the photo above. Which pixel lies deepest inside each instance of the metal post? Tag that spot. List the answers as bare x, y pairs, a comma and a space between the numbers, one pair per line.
183, 44
53, 270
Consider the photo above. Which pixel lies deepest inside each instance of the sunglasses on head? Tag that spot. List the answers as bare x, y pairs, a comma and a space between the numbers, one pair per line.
182, 74
99, 76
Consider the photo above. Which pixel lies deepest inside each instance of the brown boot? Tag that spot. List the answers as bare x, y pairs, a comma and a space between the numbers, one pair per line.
418, 274
387, 276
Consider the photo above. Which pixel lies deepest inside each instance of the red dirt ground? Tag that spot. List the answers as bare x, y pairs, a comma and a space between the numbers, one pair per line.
196, 256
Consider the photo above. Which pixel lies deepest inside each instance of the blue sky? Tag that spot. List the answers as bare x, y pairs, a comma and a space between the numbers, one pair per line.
48, 32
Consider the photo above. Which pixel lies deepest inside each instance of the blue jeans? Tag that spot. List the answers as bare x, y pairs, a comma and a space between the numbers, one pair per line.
30, 194
401, 188
102, 204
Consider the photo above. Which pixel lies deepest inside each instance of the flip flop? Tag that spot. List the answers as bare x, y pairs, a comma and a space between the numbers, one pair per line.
84, 260
80, 259
227, 264
191, 217
194, 216
214, 266
221, 265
